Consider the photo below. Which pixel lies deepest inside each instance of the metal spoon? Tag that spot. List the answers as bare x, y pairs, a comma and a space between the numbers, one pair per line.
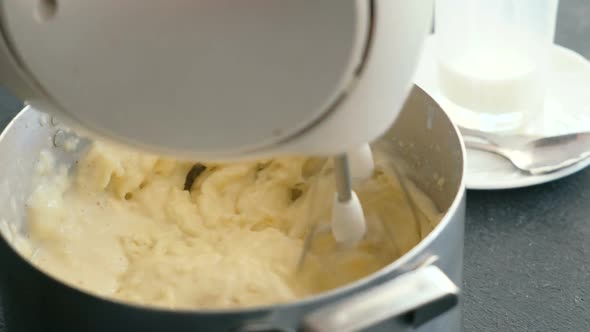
532, 154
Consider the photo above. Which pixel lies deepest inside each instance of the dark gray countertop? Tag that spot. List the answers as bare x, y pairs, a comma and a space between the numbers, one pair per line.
527, 251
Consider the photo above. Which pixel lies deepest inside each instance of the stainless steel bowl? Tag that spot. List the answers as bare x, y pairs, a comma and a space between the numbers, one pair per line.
416, 291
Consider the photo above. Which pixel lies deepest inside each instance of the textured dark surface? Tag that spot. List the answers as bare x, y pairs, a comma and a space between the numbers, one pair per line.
527, 255
527, 251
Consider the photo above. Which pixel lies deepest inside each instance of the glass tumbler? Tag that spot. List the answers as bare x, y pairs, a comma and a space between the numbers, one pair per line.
493, 57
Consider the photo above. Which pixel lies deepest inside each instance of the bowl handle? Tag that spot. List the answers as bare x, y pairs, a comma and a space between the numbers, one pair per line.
416, 297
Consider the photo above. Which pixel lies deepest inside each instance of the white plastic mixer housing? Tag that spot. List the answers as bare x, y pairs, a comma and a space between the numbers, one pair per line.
217, 79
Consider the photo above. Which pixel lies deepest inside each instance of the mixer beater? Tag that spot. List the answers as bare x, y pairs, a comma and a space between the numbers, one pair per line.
348, 225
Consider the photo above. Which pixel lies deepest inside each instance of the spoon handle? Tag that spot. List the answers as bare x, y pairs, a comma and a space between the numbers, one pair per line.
488, 147
480, 145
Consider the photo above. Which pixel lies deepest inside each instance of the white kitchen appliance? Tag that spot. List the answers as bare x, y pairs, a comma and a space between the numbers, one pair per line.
216, 79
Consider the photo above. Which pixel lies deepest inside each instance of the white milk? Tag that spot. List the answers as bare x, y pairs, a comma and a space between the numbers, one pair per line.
492, 81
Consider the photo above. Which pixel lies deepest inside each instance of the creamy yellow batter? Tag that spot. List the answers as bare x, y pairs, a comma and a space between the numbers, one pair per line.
122, 225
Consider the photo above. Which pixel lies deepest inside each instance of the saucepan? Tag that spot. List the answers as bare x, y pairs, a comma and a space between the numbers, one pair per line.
419, 291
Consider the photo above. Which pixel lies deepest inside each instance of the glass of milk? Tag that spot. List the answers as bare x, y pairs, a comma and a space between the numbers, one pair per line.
493, 57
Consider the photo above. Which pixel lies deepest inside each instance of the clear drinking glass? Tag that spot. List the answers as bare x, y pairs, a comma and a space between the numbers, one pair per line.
492, 59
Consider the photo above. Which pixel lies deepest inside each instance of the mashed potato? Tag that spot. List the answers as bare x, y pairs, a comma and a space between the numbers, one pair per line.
130, 226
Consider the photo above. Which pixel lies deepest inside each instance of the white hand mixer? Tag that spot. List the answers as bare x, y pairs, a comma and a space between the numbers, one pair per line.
222, 79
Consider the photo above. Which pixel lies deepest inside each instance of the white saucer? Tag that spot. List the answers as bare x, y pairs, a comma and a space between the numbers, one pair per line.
567, 109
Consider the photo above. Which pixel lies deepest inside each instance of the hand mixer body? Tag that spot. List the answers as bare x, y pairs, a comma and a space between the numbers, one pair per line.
217, 79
